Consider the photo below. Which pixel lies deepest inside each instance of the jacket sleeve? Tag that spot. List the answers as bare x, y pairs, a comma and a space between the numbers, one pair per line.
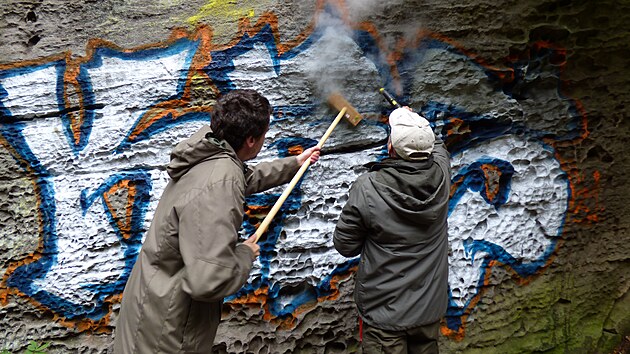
351, 229
442, 156
270, 174
215, 266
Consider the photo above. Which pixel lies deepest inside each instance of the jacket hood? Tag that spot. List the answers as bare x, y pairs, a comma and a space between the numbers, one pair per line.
201, 146
411, 189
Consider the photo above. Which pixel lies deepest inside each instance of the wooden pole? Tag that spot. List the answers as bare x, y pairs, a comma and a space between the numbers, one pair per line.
276, 207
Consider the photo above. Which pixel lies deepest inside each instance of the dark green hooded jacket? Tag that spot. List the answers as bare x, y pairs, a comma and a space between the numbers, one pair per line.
396, 219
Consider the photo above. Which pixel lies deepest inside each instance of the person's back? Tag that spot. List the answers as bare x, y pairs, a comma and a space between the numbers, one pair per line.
396, 219
192, 258
172, 301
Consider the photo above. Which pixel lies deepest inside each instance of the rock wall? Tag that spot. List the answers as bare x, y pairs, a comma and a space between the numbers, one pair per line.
529, 96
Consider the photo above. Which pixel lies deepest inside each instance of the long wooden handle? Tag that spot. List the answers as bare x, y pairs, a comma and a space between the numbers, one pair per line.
274, 210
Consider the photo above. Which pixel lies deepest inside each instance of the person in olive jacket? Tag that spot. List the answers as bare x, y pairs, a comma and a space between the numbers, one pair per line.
191, 258
396, 220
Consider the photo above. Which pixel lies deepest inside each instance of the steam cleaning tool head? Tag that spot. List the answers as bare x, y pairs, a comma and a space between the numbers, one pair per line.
389, 98
338, 102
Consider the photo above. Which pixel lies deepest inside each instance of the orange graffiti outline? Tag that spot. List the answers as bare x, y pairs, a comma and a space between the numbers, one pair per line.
124, 224
489, 171
290, 321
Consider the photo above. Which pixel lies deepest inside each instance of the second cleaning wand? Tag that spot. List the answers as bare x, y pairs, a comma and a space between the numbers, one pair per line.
389, 98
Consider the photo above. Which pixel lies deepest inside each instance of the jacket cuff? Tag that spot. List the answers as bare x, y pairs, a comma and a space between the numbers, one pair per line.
293, 163
244, 251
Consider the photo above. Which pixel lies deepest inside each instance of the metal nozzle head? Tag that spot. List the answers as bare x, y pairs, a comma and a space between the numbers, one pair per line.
389, 98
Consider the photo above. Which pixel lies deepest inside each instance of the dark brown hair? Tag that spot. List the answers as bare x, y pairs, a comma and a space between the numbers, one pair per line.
240, 114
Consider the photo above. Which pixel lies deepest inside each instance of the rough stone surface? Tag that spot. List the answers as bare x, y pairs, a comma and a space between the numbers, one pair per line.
530, 96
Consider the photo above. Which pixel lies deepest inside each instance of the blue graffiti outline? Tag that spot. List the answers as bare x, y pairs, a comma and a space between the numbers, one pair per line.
223, 61
88, 101
474, 180
22, 277
131, 246
59, 65
482, 127
163, 124
495, 252
166, 122
218, 70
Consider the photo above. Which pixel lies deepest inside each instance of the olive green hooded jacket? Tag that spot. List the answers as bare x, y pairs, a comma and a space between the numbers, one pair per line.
190, 259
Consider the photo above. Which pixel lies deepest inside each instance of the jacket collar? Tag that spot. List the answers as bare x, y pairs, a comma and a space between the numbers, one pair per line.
200, 147
400, 164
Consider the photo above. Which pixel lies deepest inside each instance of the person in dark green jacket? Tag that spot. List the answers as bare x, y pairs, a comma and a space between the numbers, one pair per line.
191, 258
396, 220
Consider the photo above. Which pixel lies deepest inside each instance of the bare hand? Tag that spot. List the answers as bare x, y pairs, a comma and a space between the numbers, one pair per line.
313, 153
251, 243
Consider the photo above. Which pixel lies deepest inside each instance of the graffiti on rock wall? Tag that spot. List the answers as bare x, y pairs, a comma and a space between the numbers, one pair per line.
93, 134
94, 187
